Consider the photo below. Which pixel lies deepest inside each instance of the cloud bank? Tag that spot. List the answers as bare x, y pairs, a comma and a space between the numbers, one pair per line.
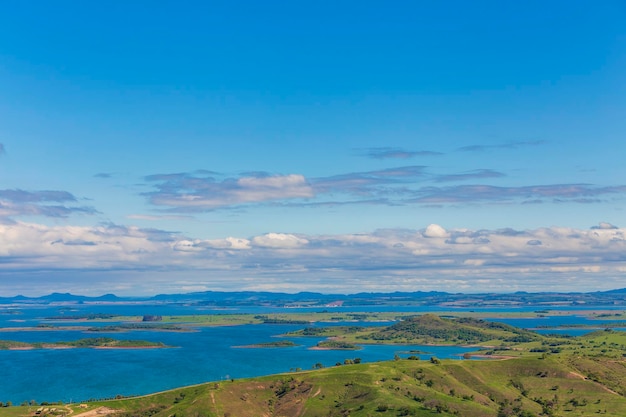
432, 258
404, 185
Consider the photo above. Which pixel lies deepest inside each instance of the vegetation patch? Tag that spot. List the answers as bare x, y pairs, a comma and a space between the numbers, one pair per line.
336, 345
276, 344
94, 342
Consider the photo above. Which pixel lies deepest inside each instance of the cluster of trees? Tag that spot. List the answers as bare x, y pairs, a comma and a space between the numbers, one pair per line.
268, 320
32, 403
349, 362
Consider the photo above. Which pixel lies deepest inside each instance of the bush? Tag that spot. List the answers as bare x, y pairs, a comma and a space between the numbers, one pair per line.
382, 408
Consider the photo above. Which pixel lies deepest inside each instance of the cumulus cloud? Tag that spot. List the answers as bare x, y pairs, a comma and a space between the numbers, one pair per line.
198, 245
279, 240
433, 258
604, 226
228, 243
434, 230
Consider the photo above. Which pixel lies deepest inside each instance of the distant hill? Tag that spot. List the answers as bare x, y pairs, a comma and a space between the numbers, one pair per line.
314, 299
61, 298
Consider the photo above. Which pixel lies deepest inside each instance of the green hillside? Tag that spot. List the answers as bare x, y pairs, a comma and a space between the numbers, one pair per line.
426, 329
517, 387
430, 328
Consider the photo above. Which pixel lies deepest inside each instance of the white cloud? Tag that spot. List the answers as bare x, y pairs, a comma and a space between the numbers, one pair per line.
228, 243
474, 262
187, 246
605, 226
184, 192
434, 230
385, 260
279, 240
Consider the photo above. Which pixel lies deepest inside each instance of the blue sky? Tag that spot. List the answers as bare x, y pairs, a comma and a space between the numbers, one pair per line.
150, 147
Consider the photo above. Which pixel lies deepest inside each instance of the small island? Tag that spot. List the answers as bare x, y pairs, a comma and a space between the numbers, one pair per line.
277, 344
335, 345
138, 326
94, 343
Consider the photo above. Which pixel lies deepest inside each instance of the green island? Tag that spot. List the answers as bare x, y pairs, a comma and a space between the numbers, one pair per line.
138, 326
336, 345
276, 344
426, 329
520, 374
94, 342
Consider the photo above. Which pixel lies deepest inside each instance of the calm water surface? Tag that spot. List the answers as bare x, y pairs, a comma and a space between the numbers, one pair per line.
209, 354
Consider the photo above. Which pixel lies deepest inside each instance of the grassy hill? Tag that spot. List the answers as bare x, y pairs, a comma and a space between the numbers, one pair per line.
427, 329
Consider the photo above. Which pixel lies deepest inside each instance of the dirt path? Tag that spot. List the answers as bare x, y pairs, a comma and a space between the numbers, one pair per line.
604, 387
97, 412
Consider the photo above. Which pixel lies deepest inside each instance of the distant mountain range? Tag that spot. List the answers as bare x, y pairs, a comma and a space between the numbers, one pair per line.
252, 298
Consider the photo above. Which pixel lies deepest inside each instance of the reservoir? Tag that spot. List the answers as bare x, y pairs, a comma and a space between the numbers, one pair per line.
209, 354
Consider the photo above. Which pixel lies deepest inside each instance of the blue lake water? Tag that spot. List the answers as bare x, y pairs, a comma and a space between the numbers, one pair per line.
209, 354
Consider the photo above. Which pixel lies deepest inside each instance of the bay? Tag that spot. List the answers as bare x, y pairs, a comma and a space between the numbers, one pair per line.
209, 354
